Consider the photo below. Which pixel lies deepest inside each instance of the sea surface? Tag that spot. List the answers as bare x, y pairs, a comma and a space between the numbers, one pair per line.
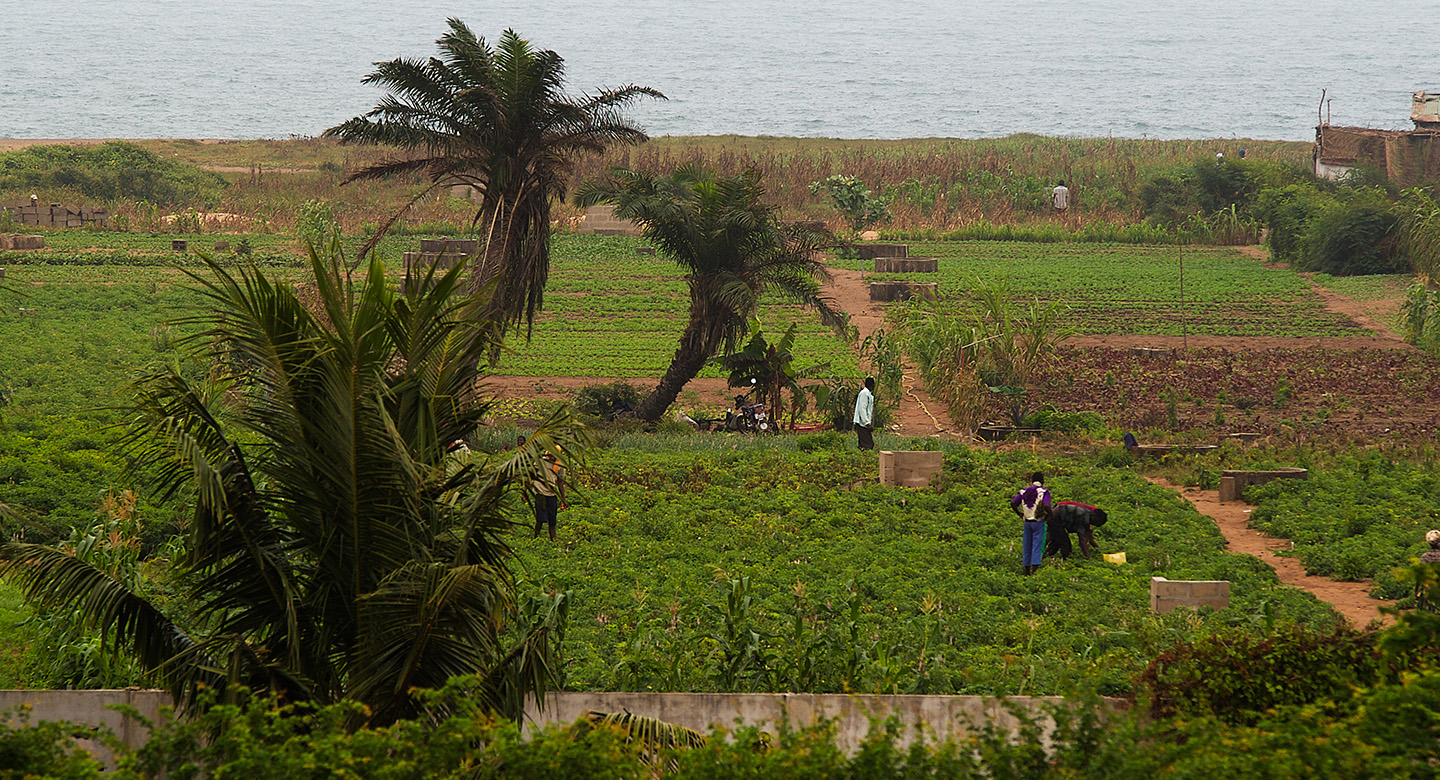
837, 68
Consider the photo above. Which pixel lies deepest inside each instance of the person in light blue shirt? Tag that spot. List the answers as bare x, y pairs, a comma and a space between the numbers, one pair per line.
865, 415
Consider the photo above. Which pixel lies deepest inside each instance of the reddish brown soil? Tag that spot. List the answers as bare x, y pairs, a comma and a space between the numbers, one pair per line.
919, 414
1350, 599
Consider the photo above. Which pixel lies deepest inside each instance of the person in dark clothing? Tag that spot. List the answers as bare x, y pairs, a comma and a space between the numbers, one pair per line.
1073, 517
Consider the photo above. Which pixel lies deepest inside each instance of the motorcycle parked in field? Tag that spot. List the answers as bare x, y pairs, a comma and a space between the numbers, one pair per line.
747, 417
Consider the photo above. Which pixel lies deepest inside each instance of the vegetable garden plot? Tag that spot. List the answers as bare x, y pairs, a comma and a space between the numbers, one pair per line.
1367, 393
1136, 289
612, 313
755, 570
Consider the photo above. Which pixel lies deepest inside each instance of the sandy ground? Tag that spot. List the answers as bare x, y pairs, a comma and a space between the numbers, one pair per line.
1350, 599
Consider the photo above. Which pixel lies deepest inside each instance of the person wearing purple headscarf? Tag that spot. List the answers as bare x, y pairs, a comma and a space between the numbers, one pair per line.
1033, 506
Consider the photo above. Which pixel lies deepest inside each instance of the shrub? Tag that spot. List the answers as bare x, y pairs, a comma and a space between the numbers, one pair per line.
1237, 676
1353, 236
1288, 212
605, 401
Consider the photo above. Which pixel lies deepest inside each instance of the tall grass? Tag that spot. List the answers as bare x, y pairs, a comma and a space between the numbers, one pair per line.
972, 188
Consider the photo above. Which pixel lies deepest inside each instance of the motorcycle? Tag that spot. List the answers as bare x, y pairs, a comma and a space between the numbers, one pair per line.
748, 418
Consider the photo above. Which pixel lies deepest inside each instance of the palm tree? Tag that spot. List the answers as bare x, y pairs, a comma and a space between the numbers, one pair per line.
734, 250
336, 550
496, 120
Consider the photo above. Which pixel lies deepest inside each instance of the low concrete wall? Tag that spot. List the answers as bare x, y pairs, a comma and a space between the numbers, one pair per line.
90, 708
601, 220
1166, 595
943, 716
1233, 483
909, 468
906, 265
903, 291
1161, 450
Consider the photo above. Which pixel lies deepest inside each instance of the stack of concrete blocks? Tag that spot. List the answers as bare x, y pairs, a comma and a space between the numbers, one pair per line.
440, 252
601, 220
903, 291
906, 265
913, 468
896, 259
875, 251
1234, 483
1166, 595
22, 242
56, 215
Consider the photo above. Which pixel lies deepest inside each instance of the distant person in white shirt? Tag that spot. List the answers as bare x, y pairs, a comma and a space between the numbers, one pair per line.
865, 415
1060, 196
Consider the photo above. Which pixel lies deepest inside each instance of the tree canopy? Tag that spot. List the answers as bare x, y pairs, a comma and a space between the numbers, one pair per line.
495, 119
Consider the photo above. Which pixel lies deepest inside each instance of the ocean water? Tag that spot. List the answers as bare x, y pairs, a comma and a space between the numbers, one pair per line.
838, 68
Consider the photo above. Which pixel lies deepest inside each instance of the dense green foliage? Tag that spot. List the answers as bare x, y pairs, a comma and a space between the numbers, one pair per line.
1357, 518
107, 172
1388, 733
334, 549
758, 569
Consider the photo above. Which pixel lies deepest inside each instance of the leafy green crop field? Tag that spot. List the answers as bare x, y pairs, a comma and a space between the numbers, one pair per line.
870, 588
610, 312
1122, 288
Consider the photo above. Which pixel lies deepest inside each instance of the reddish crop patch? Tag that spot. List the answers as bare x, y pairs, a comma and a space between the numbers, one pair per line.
1365, 394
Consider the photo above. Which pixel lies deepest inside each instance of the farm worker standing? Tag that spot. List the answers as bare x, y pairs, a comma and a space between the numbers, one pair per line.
1072, 517
549, 494
1033, 506
865, 415
1060, 196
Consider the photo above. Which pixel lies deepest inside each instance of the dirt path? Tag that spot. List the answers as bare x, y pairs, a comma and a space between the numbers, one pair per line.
1350, 599
919, 414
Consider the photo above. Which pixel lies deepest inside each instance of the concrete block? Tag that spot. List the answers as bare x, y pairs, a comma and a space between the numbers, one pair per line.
222, 246
28, 242
906, 468
601, 221
1242, 480
464, 246
906, 265
1167, 595
178, 244
872, 251
1228, 491
903, 291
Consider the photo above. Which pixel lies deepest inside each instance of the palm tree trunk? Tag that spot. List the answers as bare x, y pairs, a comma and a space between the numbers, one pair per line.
688, 360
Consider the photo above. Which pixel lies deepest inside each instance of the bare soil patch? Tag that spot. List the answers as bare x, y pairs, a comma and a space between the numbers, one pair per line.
1351, 599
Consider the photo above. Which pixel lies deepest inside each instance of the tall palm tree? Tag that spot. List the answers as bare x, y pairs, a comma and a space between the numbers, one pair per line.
734, 250
496, 120
336, 550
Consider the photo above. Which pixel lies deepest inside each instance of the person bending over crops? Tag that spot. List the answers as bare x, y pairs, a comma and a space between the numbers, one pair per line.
1033, 506
1072, 517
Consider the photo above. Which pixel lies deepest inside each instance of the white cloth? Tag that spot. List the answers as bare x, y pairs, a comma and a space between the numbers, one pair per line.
865, 407
1060, 196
